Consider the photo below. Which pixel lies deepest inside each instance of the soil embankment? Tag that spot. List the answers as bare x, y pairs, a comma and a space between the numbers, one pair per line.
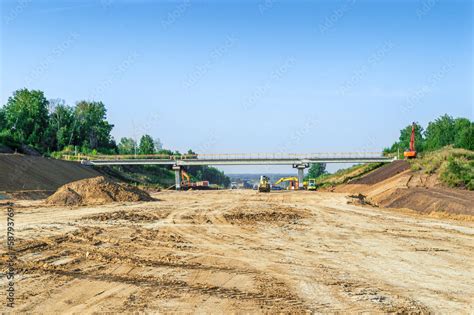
383, 173
396, 186
32, 177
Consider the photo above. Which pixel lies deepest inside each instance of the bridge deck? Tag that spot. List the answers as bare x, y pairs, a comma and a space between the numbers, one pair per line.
236, 159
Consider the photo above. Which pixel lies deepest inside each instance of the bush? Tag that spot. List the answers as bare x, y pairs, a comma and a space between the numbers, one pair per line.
458, 172
6, 138
455, 167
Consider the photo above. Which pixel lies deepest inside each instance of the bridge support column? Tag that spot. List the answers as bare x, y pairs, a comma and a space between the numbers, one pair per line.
300, 168
177, 176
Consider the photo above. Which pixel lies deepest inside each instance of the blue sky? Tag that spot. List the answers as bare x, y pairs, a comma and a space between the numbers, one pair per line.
247, 76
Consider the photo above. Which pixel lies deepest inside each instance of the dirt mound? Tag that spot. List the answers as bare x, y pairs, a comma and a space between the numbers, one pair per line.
359, 199
250, 218
96, 190
383, 173
279, 214
127, 216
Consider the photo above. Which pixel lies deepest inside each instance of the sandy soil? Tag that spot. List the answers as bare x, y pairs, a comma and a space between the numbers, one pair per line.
385, 172
419, 192
96, 191
239, 251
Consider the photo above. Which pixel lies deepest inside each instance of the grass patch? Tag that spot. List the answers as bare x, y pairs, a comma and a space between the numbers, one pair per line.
455, 167
343, 176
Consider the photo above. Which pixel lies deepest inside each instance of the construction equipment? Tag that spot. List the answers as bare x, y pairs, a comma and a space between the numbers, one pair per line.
411, 154
186, 182
264, 184
311, 184
293, 182
185, 179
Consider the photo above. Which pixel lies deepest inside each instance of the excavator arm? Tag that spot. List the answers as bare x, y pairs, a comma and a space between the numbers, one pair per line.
185, 178
286, 179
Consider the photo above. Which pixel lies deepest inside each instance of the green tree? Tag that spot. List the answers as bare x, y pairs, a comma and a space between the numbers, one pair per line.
393, 149
440, 133
211, 174
92, 128
26, 116
316, 170
3, 122
60, 130
464, 133
164, 152
127, 146
147, 145
404, 140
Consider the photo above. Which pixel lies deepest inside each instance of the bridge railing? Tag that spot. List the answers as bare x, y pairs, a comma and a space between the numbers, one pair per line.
128, 157
287, 156
231, 156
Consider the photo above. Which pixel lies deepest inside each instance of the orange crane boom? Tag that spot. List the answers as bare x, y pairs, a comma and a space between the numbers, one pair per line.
412, 152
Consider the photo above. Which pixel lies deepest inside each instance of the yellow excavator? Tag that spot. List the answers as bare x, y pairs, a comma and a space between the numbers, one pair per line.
292, 181
185, 179
186, 182
310, 184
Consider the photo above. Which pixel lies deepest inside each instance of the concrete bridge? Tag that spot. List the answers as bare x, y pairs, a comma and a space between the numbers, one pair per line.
297, 161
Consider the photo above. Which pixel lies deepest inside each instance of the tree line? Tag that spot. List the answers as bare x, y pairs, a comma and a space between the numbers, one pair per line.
30, 119
443, 131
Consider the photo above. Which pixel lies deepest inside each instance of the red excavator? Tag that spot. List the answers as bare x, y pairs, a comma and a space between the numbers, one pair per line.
411, 154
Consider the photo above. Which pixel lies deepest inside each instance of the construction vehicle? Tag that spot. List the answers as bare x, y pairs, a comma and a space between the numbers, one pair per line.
411, 154
187, 184
311, 184
264, 184
292, 182
185, 180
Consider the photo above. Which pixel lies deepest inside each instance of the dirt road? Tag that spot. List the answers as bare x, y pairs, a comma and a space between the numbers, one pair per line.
239, 251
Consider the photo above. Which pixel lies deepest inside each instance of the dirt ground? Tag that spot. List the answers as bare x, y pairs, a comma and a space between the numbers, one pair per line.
419, 192
239, 251
385, 172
